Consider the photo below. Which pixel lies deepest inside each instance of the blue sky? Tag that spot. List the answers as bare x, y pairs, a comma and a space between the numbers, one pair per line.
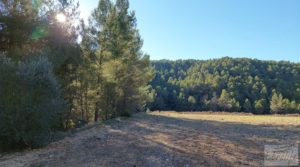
206, 29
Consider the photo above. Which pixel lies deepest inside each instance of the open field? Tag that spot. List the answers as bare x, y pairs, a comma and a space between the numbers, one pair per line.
285, 120
162, 139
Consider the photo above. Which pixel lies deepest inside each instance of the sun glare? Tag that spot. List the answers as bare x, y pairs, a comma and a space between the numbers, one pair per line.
61, 18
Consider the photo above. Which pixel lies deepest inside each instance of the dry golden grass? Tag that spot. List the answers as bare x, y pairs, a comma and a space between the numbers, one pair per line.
289, 120
167, 139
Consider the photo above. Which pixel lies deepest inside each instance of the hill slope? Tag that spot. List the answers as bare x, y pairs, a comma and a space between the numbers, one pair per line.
228, 84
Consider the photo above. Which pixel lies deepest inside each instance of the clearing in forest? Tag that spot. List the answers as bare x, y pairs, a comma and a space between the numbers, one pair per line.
162, 139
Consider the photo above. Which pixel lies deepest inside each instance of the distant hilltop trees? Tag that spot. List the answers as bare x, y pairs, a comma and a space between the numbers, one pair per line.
227, 84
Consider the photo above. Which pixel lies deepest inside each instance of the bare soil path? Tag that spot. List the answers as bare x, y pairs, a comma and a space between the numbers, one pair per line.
165, 140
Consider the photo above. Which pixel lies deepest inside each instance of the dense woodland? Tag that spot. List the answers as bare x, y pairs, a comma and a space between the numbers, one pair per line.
227, 84
49, 81
56, 76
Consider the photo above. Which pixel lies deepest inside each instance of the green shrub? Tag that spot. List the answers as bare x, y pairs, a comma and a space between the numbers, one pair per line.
30, 103
68, 124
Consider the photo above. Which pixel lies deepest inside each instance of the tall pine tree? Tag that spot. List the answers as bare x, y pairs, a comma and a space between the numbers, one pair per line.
121, 70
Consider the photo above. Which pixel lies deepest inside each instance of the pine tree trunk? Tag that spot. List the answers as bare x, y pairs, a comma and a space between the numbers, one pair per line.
96, 113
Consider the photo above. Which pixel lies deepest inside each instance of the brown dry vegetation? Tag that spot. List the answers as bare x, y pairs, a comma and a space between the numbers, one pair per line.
163, 139
285, 120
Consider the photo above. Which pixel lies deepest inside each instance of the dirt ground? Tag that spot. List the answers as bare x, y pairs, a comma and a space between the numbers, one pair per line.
166, 139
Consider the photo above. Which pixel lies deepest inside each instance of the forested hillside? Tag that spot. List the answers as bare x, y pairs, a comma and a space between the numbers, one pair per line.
58, 72
227, 84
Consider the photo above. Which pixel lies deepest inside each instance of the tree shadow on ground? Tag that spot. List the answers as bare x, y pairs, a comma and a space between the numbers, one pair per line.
158, 141
211, 142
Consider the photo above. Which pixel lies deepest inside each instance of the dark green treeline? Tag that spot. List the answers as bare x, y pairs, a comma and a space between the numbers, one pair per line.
227, 84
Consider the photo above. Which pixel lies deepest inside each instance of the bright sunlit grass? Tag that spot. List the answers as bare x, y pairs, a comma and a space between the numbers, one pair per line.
292, 120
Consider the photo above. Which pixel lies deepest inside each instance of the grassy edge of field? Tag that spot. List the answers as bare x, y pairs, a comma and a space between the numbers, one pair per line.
226, 117
235, 117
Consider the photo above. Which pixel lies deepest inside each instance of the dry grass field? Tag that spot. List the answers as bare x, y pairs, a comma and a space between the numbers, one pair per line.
167, 139
285, 120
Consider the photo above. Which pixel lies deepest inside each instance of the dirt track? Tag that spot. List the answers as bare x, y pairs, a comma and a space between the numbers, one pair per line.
159, 141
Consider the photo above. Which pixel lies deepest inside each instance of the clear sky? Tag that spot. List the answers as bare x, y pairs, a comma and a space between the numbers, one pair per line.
206, 29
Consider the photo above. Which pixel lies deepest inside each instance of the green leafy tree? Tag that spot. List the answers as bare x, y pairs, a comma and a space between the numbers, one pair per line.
30, 103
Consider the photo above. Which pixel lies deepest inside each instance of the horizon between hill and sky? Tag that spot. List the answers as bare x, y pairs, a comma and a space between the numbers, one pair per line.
208, 29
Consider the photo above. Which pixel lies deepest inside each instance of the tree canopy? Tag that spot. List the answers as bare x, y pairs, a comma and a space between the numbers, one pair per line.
49, 81
227, 84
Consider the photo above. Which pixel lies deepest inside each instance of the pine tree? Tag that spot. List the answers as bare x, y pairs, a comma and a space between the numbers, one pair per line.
192, 101
276, 104
260, 106
122, 71
29, 28
247, 106
18, 20
225, 100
